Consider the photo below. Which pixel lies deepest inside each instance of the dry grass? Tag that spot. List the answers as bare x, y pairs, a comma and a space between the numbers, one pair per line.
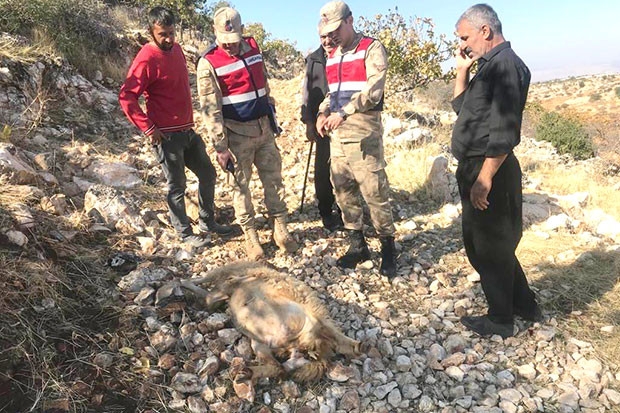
12, 50
408, 168
565, 180
582, 291
127, 17
56, 313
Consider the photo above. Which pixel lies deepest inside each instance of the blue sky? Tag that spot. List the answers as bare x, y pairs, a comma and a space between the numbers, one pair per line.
555, 38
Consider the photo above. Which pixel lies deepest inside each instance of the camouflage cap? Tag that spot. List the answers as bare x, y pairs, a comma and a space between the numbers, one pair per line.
332, 15
227, 25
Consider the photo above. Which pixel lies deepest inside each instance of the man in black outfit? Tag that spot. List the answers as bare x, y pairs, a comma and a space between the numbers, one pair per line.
490, 109
314, 90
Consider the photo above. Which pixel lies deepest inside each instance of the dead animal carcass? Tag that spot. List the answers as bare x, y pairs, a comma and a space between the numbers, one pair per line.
281, 316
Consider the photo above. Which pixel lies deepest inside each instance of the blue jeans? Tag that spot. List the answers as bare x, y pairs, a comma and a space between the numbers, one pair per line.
180, 150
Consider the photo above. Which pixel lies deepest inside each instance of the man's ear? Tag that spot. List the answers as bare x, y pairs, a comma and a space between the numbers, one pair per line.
487, 33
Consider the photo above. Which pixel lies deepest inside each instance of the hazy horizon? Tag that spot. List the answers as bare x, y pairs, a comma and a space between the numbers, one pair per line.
555, 38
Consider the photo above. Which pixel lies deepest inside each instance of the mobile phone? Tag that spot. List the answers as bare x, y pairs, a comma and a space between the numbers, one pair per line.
230, 166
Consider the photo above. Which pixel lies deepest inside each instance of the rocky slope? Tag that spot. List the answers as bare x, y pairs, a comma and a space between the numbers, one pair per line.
85, 245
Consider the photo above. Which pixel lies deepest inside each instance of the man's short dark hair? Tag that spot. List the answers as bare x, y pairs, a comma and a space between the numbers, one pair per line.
161, 16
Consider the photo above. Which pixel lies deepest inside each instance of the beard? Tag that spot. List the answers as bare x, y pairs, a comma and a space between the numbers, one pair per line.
164, 46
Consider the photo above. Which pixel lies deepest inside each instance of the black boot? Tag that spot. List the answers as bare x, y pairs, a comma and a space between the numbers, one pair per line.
209, 225
357, 252
332, 221
388, 257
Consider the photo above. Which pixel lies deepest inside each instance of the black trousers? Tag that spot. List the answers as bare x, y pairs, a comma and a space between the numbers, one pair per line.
180, 150
492, 236
322, 183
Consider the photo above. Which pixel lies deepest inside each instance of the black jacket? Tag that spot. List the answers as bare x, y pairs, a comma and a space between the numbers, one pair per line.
316, 85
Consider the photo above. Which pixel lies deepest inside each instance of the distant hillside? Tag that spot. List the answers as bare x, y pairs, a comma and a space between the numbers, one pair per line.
595, 100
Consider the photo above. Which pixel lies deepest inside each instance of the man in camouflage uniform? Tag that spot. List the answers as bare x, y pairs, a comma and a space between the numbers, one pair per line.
234, 100
351, 115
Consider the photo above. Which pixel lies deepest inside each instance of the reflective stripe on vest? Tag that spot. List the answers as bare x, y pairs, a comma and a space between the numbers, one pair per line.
242, 82
346, 75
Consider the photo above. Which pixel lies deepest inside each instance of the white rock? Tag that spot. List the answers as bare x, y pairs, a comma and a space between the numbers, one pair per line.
511, 395
570, 399
117, 209
592, 367
403, 363
556, 222
455, 343
455, 372
394, 398
411, 391
527, 371
474, 277
505, 377
186, 383
465, 402
436, 352
426, 404
18, 171
545, 335
229, 335
613, 396
196, 405
438, 179
607, 329
16, 237
579, 343
383, 390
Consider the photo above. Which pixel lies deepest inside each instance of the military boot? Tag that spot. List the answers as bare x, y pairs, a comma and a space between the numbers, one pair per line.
388, 257
281, 236
357, 252
252, 244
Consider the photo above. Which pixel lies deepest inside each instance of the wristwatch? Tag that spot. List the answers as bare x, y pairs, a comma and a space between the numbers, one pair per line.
342, 114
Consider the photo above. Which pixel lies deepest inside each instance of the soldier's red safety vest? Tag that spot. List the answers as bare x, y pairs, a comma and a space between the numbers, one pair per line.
242, 81
346, 75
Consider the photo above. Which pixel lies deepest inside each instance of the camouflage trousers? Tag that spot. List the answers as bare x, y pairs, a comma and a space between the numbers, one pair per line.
260, 151
358, 168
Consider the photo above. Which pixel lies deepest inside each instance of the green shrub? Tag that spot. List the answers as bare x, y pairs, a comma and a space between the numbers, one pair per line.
618, 92
415, 52
82, 31
594, 97
567, 135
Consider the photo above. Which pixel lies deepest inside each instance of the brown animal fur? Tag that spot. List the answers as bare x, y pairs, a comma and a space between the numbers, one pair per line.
278, 313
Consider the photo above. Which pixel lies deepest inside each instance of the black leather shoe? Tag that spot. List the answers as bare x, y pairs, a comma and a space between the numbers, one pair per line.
214, 227
528, 315
485, 327
196, 241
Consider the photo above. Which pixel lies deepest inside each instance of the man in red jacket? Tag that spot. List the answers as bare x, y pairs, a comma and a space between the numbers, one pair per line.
159, 72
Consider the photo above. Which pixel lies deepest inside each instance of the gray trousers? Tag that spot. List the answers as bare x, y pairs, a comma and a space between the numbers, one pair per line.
180, 150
